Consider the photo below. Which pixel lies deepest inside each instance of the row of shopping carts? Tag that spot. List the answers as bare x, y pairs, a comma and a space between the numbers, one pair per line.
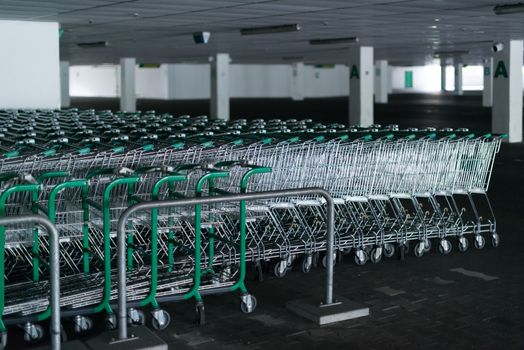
82, 169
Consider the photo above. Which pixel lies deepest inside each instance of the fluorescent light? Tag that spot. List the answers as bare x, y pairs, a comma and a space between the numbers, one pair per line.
509, 9
451, 53
93, 44
283, 28
331, 41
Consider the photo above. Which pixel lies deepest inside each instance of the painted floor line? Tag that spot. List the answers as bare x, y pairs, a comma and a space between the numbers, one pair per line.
475, 274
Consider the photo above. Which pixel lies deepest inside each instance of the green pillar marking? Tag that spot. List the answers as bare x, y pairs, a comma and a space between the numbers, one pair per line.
354, 72
501, 70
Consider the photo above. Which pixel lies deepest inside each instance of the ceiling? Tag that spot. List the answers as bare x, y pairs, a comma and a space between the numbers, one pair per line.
156, 31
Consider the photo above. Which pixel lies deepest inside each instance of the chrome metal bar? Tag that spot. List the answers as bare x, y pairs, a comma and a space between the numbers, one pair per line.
122, 222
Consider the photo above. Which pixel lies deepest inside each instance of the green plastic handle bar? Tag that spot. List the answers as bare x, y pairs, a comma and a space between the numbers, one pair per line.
293, 139
49, 152
432, 135
488, 135
178, 145
118, 149
207, 144
344, 137
411, 137
84, 150
266, 140
389, 136
12, 154
148, 147
504, 136
320, 138
368, 138
238, 142
452, 136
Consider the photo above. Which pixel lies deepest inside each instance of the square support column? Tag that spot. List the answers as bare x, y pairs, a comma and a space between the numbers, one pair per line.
65, 99
443, 76
487, 91
297, 81
361, 85
381, 81
390, 80
458, 78
506, 114
127, 84
220, 86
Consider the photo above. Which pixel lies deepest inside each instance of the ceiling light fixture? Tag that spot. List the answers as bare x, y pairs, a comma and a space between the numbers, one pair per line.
332, 41
451, 53
93, 44
509, 9
283, 28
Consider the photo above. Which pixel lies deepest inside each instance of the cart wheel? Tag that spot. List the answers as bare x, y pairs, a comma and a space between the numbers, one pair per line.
389, 250
376, 255
346, 251
248, 303
463, 244
3, 339
419, 249
361, 257
63, 334
444, 247
280, 269
160, 319
136, 317
110, 322
480, 242
200, 314
259, 275
33, 332
82, 324
316, 258
427, 245
307, 264
495, 239
324, 260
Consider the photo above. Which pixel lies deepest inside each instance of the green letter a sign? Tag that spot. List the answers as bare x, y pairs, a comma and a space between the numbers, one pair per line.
354, 72
501, 70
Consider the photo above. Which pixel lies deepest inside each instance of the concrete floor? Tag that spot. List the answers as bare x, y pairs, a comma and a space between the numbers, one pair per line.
431, 302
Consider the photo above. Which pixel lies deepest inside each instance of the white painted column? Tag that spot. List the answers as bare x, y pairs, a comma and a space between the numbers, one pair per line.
487, 92
458, 78
443, 76
220, 86
506, 114
381, 81
127, 84
297, 81
361, 85
390, 80
64, 85
29, 65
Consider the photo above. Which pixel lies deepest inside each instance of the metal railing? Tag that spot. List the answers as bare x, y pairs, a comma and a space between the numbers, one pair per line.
54, 267
123, 220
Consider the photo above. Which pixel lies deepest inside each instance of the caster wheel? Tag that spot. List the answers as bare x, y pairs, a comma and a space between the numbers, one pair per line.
316, 259
361, 257
480, 242
3, 339
259, 274
495, 240
110, 322
463, 244
160, 319
307, 264
376, 255
324, 260
346, 251
200, 314
444, 247
388, 250
33, 333
280, 269
427, 245
419, 249
136, 317
248, 303
82, 324
63, 334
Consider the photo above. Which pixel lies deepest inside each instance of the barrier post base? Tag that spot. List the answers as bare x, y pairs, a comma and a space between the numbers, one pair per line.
139, 338
340, 310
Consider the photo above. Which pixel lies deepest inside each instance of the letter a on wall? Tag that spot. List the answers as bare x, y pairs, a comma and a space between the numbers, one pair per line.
354, 72
501, 70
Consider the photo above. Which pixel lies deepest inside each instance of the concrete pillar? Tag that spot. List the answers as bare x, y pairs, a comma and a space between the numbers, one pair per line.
487, 92
390, 80
297, 81
443, 76
29, 65
458, 78
127, 84
220, 86
64, 85
381, 81
361, 85
506, 114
